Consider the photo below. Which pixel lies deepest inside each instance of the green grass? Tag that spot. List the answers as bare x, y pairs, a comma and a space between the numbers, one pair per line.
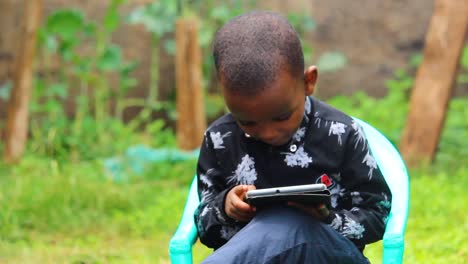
437, 225
72, 213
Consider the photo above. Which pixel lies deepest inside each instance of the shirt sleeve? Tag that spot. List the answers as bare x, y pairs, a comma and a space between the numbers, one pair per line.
364, 200
213, 225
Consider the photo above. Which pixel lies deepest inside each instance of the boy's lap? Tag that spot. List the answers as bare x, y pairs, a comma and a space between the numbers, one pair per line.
285, 235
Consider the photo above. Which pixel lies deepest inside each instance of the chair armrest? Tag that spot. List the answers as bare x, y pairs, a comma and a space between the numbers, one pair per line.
180, 246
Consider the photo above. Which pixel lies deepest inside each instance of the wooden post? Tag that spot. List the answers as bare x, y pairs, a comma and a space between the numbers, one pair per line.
8, 37
17, 118
191, 119
10, 11
434, 81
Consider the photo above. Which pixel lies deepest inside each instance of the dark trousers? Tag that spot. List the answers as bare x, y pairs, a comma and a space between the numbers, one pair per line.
286, 235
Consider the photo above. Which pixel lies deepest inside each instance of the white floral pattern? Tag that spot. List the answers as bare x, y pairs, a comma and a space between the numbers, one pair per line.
298, 159
245, 172
219, 215
337, 129
206, 196
205, 211
217, 139
356, 198
317, 119
206, 180
300, 133
352, 229
385, 203
336, 193
360, 136
371, 163
337, 222
308, 106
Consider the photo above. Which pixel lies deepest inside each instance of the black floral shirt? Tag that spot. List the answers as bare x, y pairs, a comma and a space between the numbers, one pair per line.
329, 147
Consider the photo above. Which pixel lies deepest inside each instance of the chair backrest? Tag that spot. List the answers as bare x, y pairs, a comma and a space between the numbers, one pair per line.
394, 170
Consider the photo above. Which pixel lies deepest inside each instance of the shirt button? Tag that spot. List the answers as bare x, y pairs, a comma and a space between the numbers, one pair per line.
293, 148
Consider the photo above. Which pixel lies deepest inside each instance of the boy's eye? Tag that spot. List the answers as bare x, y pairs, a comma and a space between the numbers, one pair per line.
283, 117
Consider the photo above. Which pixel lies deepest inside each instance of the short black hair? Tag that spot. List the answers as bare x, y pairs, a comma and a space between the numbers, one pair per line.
250, 50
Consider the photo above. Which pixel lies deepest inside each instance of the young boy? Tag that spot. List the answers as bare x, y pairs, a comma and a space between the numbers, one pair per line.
276, 135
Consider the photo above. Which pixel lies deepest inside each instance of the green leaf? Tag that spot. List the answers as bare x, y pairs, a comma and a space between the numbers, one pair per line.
110, 59
416, 59
221, 13
308, 23
128, 83
157, 17
462, 78
58, 89
205, 34
464, 57
400, 73
111, 19
170, 46
65, 23
331, 61
128, 68
5, 90
52, 106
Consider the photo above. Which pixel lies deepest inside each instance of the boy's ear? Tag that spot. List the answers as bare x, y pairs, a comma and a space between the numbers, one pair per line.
310, 79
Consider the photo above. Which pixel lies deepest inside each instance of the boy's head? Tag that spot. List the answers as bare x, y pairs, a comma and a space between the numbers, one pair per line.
260, 64
250, 50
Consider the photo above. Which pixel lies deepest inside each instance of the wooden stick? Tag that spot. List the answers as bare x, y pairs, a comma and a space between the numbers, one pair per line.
434, 81
191, 120
17, 118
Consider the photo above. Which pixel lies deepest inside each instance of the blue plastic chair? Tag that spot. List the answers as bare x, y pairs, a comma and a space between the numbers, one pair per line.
394, 171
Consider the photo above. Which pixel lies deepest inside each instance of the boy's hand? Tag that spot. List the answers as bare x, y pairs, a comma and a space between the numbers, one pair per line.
319, 212
235, 206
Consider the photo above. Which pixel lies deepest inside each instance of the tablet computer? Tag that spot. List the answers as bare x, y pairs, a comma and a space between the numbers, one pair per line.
305, 194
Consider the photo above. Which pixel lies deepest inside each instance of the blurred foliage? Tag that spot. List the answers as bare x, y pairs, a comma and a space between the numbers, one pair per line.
463, 77
389, 113
158, 17
88, 72
5, 90
331, 61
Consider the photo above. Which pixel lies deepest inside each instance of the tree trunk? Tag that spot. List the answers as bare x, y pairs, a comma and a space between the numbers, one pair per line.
434, 81
17, 119
191, 120
10, 14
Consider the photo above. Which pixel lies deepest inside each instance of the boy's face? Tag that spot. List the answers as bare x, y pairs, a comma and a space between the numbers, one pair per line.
275, 113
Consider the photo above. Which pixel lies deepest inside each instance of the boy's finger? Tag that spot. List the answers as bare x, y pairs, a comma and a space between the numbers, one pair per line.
240, 215
250, 187
238, 190
240, 205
